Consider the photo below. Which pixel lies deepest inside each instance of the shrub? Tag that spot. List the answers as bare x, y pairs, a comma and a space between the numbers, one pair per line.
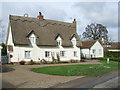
63, 62
111, 54
22, 62
43, 61
58, 57
72, 61
31, 62
11, 62
110, 58
82, 60
53, 59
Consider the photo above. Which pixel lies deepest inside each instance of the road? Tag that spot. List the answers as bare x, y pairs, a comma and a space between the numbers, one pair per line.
105, 81
109, 80
112, 83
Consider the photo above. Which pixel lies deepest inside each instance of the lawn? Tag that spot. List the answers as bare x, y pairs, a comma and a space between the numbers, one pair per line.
79, 70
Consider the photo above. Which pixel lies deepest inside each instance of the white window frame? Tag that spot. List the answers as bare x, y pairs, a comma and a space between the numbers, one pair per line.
47, 54
75, 53
74, 42
93, 51
62, 53
59, 42
27, 54
32, 40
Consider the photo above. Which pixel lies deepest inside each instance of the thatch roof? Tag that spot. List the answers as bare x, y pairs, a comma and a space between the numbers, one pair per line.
45, 30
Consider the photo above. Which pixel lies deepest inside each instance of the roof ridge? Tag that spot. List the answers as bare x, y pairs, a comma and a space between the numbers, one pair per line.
36, 18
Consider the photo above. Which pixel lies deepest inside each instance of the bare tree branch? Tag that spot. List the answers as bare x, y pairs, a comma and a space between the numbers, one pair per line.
95, 32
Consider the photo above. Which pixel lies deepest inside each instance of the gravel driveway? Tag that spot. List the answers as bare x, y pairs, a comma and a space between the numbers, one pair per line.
23, 77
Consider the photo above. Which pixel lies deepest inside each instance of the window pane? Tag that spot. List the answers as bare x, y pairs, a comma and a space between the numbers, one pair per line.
32, 39
47, 54
59, 42
75, 53
27, 54
94, 50
74, 42
62, 53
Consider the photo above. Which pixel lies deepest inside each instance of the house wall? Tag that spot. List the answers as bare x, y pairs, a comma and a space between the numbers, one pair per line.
88, 53
85, 53
9, 42
39, 52
114, 50
99, 52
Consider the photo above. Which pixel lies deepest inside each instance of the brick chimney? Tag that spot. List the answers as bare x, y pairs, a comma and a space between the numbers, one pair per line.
40, 16
75, 24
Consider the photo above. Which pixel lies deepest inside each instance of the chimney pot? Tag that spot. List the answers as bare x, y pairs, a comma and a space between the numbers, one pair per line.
75, 23
40, 16
40, 13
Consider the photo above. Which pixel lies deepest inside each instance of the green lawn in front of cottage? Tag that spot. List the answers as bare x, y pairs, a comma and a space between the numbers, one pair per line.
79, 70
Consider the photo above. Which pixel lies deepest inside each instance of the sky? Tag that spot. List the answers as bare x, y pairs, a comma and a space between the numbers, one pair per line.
105, 13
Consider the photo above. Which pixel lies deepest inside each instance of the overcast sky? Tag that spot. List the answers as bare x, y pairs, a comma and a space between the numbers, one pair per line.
105, 13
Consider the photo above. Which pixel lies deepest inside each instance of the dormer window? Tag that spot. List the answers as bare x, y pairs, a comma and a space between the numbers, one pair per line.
59, 40
74, 41
32, 39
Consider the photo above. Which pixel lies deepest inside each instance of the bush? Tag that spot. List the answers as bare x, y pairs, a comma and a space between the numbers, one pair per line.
58, 57
63, 62
22, 62
31, 62
110, 58
72, 61
43, 61
111, 54
82, 60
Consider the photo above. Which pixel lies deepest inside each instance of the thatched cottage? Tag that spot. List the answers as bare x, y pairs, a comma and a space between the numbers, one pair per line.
38, 38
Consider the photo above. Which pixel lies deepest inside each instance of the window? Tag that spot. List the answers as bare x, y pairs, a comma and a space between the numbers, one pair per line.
32, 39
62, 53
74, 42
27, 54
47, 53
93, 50
75, 53
58, 42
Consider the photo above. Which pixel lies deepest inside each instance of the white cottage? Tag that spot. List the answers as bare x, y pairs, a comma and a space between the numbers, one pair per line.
92, 49
38, 38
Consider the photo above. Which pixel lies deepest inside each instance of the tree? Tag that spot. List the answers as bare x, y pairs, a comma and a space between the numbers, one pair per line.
4, 49
95, 32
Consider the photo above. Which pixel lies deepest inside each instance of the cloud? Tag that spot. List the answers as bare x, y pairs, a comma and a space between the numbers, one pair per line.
99, 12
49, 11
84, 12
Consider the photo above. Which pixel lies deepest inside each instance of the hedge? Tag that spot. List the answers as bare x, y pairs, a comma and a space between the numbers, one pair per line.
112, 54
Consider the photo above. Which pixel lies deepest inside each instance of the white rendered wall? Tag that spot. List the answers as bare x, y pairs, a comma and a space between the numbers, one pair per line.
97, 46
113, 50
10, 42
88, 52
39, 52
85, 52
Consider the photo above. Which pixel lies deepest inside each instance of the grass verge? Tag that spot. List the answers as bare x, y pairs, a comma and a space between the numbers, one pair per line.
79, 70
